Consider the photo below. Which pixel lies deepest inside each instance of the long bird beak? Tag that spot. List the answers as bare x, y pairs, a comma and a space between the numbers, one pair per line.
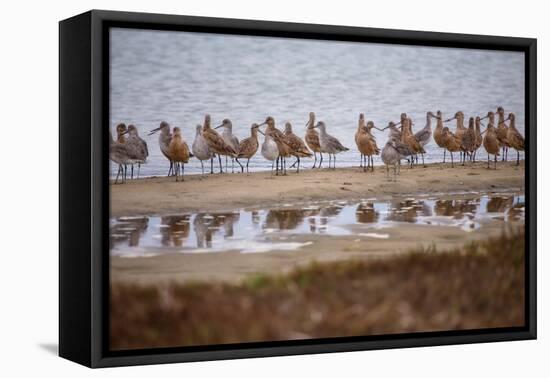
126, 132
484, 117
153, 131
450, 119
379, 129
261, 132
217, 127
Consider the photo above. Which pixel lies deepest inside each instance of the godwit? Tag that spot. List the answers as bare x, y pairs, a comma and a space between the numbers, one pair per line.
408, 138
491, 143
451, 143
297, 146
438, 133
366, 144
479, 137
514, 138
249, 146
424, 135
502, 132
279, 138
361, 128
137, 149
231, 140
468, 142
179, 152
164, 141
270, 150
200, 148
215, 142
312, 138
329, 144
118, 154
460, 128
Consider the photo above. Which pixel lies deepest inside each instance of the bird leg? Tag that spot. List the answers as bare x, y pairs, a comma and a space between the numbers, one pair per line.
242, 168
202, 167
118, 172
495, 162
212, 165
517, 161
444, 153
320, 161
132, 174
139, 168
248, 161
488, 160
315, 162
334, 162
423, 164
220, 162
182, 171
298, 161
452, 163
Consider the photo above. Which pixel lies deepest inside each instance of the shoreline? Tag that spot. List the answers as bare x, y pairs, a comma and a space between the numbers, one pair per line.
163, 196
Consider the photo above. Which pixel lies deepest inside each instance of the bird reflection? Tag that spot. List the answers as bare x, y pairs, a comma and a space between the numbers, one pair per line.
284, 219
177, 230
499, 204
456, 208
128, 231
365, 213
206, 226
407, 210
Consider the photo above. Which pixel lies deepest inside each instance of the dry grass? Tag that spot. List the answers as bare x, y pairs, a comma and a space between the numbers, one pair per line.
478, 286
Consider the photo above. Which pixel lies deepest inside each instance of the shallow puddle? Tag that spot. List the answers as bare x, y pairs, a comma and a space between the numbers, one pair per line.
263, 230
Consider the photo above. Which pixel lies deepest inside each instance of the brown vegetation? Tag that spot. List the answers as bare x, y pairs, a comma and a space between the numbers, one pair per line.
478, 286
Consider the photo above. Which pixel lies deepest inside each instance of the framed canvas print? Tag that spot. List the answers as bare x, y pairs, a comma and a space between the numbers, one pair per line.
234, 188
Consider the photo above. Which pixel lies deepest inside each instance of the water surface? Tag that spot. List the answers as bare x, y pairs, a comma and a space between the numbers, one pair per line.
180, 76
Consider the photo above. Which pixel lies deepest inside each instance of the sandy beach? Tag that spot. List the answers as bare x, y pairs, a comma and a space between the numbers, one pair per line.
162, 195
218, 193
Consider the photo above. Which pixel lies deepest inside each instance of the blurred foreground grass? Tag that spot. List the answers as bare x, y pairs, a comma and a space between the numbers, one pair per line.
478, 286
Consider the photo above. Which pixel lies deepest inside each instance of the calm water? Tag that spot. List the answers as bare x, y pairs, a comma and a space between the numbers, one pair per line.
251, 230
180, 76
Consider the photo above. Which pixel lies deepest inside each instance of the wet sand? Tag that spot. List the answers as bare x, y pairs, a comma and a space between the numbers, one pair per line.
162, 195
232, 266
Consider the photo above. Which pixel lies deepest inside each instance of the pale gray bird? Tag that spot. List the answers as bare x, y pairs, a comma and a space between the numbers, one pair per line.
231, 140
391, 157
165, 137
424, 135
137, 149
118, 154
200, 148
329, 144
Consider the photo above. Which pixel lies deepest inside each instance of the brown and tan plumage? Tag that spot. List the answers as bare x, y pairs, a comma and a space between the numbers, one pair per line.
514, 138
297, 145
121, 131
408, 138
366, 144
502, 133
491, 143
215, 142
438, 133
249, 146
451, 143
468, 141
479, 138
179, 152
312, 137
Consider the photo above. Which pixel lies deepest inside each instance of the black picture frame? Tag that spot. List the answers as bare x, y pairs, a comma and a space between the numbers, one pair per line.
84, 193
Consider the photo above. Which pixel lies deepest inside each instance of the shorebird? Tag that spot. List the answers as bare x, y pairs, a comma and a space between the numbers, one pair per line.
451, 143
408, 137
121, 133
297, 146
424, 135
391, 157
502, 132
179, 153
460, 128
479, 138
231, 140
312, 138
438, 133
468, 142
200, 149
514, 138
491, 143
215, 142
137, 149
270, 149
366, 144
329, 144
279, 138
119, 155
248, 146
164, 141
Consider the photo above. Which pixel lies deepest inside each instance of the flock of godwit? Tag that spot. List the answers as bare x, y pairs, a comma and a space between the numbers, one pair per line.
402, 144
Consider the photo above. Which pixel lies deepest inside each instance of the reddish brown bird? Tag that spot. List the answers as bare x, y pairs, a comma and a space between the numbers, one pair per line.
179, 152
312, 138
514, 138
